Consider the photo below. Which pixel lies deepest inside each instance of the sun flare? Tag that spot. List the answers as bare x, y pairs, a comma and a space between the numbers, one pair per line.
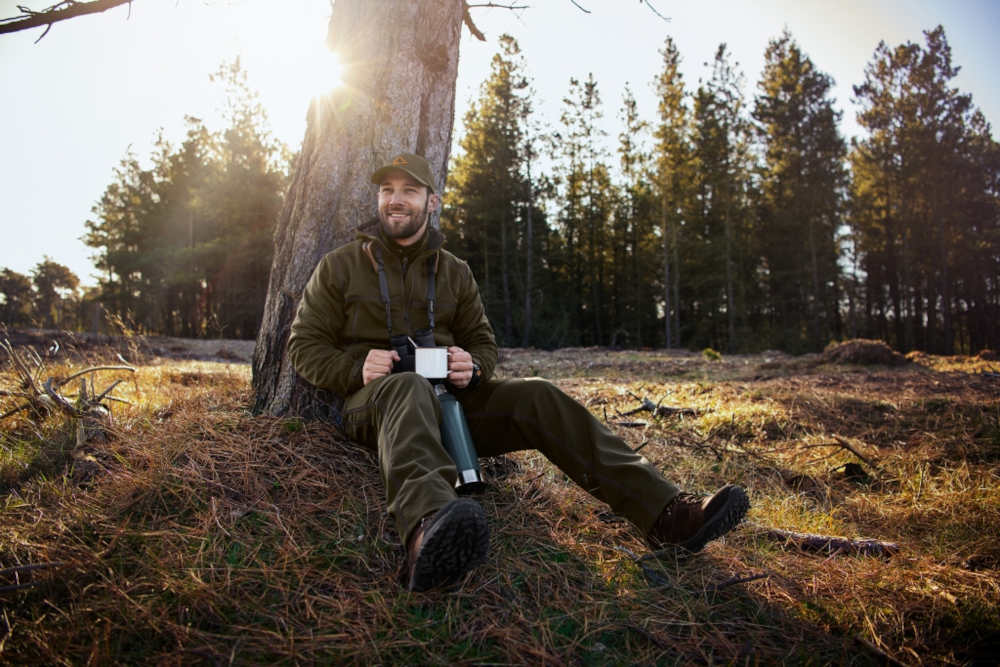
324, 72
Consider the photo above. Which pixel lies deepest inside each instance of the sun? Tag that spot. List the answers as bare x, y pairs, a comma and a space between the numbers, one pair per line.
323, 72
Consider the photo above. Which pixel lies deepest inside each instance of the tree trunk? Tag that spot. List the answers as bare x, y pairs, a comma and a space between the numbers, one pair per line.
730, 307
949, 334
530, 243
401, 60
666, 271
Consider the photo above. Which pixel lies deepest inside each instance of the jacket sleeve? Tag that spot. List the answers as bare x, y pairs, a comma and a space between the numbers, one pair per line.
313, 345
470, 327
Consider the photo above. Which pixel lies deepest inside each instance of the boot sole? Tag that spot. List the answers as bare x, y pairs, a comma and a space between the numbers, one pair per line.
457, 542
732, 513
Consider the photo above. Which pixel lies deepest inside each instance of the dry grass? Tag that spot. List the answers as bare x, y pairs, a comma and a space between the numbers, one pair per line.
217, 537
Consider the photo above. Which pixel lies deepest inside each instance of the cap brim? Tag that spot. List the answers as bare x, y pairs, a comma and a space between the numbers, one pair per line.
381, 173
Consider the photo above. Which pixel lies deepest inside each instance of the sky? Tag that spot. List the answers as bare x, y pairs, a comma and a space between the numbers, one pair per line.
95, 87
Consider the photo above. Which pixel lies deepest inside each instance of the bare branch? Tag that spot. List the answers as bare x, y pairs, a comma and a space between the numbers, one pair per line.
93, 369
15, 411
493, 5
467, 20
585, 11
650, 5
106, 392
59, 12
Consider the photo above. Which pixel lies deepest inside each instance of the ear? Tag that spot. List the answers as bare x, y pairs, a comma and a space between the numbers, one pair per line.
433, 202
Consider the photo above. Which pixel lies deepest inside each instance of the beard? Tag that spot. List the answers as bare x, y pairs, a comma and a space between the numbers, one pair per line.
403, 230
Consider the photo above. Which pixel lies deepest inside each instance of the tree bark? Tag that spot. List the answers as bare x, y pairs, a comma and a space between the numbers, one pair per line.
398, 94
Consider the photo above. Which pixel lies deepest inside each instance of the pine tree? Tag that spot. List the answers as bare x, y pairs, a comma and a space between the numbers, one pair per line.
803, 182
674, 162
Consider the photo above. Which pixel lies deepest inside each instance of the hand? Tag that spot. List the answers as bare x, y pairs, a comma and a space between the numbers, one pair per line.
377, 364
459, 367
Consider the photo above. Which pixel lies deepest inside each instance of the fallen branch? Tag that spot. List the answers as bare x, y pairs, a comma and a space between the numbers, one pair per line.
846, 445
827, 543
657, 409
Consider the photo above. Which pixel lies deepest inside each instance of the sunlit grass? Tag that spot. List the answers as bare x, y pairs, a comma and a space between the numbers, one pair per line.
216, 535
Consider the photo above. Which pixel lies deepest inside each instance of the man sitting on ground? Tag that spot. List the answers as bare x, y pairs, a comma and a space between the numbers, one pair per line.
340, 341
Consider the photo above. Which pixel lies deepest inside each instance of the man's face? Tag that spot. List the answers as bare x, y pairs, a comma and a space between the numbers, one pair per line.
404, 206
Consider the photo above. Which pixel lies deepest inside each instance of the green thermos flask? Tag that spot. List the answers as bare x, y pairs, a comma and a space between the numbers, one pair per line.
457, 442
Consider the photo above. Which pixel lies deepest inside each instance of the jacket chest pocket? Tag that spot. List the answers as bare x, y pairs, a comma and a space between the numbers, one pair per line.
444, 313
365, 319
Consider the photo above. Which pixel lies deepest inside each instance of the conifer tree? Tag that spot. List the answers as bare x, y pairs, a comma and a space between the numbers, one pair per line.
803, 180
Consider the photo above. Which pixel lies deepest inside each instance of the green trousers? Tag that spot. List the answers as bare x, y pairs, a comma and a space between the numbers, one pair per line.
399, 415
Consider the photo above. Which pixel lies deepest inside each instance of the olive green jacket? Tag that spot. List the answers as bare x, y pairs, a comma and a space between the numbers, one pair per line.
341, 315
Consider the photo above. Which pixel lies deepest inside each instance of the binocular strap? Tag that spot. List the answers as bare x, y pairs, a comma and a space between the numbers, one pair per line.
383, 285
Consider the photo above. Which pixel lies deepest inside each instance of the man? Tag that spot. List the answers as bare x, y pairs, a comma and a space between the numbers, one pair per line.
396, 277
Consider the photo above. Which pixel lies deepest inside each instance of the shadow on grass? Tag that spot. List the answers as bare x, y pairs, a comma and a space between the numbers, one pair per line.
219, 537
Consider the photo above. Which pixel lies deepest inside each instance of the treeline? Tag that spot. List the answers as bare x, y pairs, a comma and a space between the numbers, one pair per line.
49, 297
731, 222
184, 248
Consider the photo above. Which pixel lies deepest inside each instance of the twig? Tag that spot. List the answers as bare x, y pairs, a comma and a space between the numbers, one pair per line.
20, 367
585, 11
15, 411
58, 12
861, 641
736, 580
16, 587
649, 4
106, 392
657, 410
846, 445
93, 369
827, 543
29, 568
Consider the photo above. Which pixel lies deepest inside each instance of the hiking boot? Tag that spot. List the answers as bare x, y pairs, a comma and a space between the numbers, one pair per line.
447, 544
690, 522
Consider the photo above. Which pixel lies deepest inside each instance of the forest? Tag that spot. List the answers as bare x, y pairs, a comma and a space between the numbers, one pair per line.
736, 219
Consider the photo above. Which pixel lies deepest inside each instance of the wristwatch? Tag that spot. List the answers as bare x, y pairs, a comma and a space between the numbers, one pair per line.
477, 373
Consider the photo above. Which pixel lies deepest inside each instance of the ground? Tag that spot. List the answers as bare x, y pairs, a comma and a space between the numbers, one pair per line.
213, 536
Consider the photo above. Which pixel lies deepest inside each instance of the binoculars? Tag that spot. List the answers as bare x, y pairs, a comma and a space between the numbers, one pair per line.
423, 357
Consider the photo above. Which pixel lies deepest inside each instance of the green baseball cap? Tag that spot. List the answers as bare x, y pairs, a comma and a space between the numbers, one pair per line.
414, 165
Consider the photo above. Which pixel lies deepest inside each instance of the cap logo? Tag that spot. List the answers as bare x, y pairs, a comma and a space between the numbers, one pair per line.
399, 160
